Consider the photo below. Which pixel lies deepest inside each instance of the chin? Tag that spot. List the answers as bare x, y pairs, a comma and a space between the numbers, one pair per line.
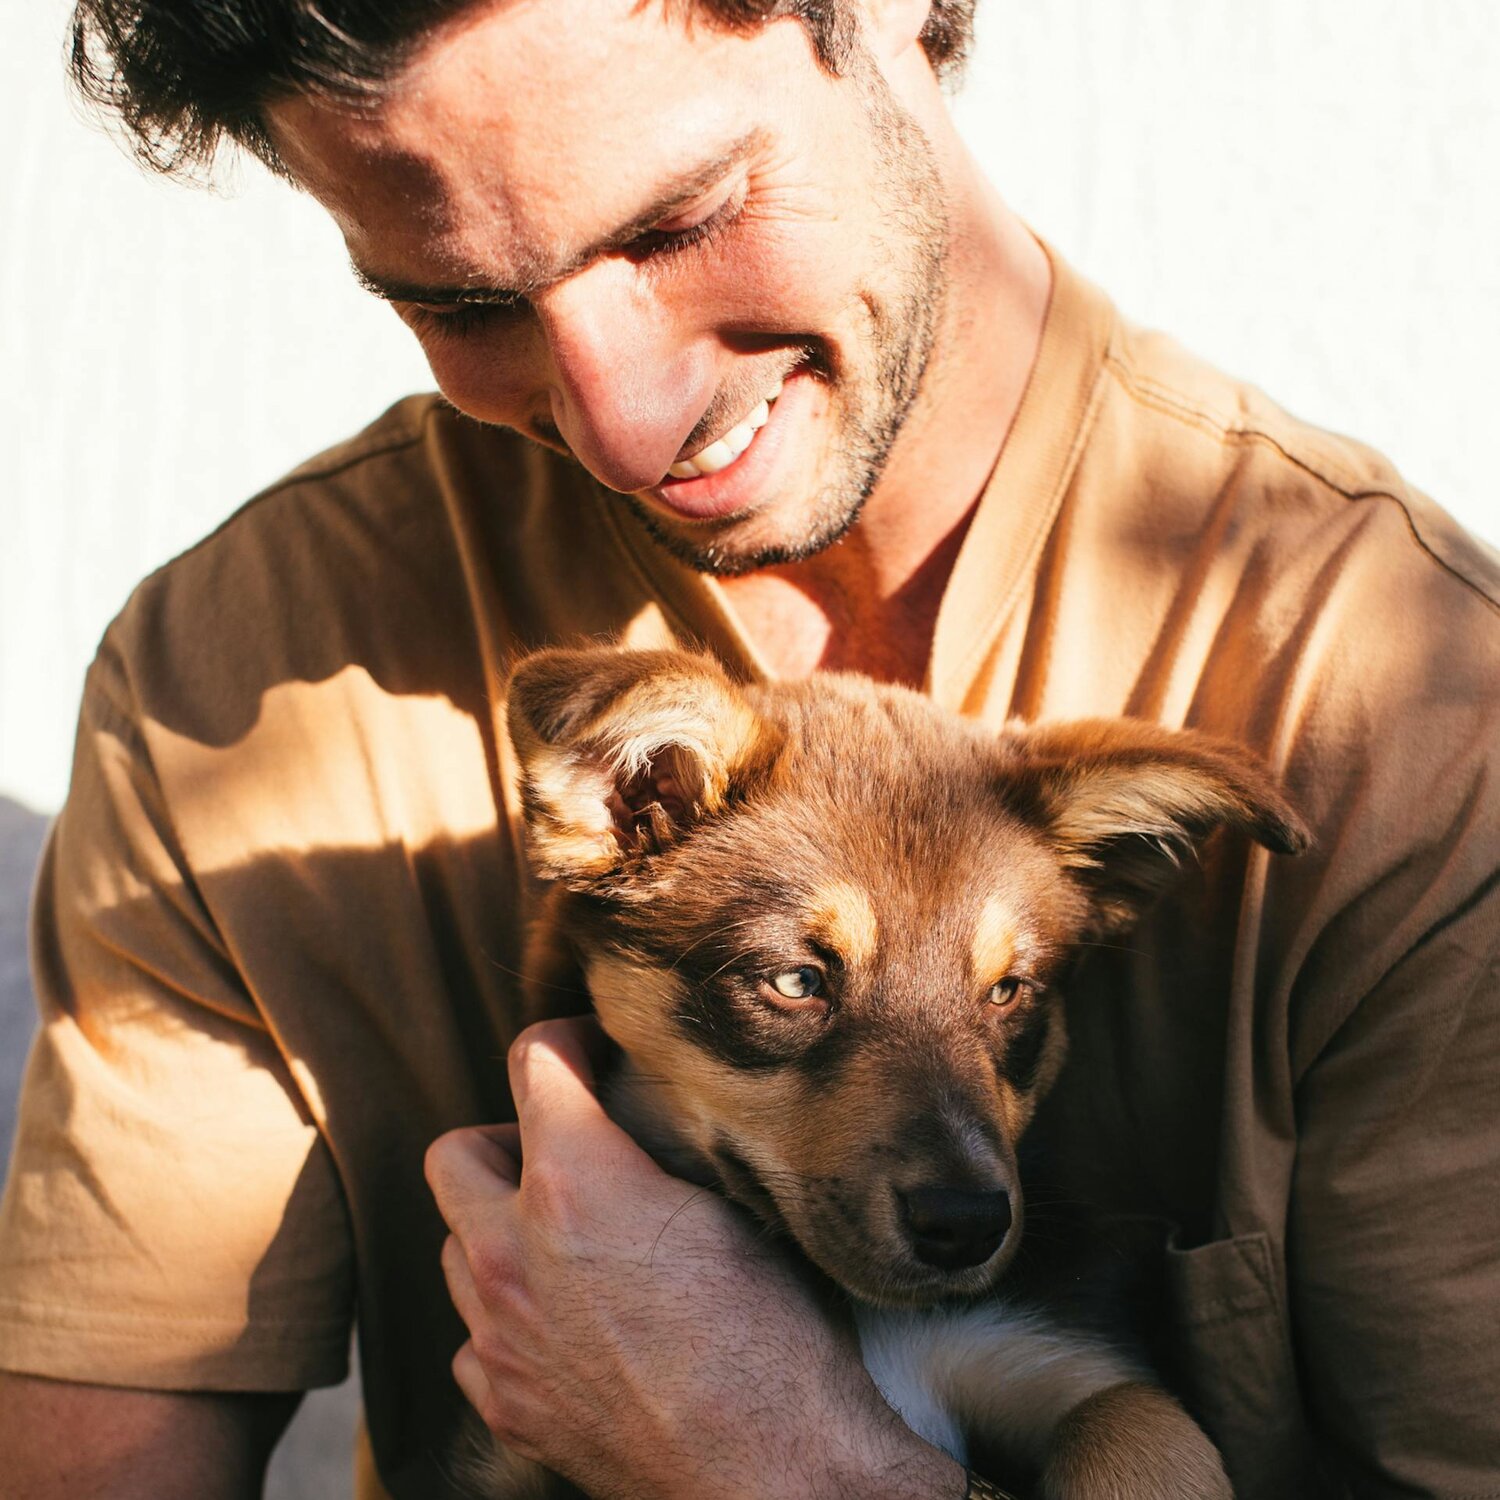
753, 540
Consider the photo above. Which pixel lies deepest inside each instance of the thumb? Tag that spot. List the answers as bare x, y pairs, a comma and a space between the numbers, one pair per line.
554, 1071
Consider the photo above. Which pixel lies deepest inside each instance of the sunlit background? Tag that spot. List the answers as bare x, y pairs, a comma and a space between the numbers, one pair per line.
1306, 191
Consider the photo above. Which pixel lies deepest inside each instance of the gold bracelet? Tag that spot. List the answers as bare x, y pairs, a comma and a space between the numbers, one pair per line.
980, 1488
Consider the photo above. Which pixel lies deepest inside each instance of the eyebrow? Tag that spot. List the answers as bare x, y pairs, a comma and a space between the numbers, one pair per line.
676, 196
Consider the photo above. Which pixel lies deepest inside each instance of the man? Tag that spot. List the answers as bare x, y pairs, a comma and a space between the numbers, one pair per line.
792, 382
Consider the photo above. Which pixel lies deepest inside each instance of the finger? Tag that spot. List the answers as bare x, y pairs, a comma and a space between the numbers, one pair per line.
508, 1138
470, 1376
553, 1083
472, 1171
577, 1041
462, 1291
553, 1070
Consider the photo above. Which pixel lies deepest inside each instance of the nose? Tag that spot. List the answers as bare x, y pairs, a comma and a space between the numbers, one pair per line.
628, 373
953, 1227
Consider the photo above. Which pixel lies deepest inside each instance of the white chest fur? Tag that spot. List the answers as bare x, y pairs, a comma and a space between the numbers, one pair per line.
991, 1371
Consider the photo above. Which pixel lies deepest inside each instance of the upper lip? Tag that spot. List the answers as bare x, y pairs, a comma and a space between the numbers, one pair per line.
692, 447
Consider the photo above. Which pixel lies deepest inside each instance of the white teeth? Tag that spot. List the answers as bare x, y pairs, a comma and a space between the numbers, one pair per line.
723, 452
739, 438
716, 456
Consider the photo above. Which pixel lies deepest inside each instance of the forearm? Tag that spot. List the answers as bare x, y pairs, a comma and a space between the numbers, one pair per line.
60, 1441
851, 1445
896, 1465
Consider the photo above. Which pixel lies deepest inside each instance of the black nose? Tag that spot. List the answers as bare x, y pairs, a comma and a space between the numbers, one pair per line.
953, 1227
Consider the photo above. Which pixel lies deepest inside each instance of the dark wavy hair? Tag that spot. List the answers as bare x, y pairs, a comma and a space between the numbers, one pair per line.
185, 76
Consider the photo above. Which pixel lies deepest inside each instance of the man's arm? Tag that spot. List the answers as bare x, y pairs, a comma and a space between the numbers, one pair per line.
173, 1220
60, 1441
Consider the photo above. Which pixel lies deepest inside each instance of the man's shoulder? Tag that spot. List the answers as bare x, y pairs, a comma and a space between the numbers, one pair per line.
1217, 454
356, 561
410, 468
1287, 586
1253, 575
400, 428
394, 499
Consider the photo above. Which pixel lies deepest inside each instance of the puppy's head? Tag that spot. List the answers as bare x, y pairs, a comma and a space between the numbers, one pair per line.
826, 923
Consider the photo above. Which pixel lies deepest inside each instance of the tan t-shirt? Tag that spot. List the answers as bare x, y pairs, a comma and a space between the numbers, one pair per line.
279, 923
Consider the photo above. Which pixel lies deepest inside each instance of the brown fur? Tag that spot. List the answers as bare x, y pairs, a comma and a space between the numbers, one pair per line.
707, 837
1130, 1442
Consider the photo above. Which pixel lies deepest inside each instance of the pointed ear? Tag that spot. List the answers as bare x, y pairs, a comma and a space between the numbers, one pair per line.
1123, 801
622, 751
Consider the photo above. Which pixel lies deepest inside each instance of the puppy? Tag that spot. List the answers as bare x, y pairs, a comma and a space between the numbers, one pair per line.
828, 926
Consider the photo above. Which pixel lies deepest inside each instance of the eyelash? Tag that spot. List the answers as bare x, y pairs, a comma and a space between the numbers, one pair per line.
673, 242
467, 318
464, 318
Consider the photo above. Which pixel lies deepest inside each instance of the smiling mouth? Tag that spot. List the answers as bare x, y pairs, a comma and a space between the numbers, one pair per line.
723, 451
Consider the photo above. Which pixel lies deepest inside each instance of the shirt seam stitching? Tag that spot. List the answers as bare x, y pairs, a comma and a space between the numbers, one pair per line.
1171, 402
410, 438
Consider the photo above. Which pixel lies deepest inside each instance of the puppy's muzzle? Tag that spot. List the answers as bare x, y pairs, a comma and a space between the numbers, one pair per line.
952, 1228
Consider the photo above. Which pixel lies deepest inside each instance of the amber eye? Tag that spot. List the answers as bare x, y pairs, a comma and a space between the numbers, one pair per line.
1005, 992
798, 984
795, 990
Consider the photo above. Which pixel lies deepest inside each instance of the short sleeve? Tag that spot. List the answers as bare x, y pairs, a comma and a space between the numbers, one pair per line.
172, 1217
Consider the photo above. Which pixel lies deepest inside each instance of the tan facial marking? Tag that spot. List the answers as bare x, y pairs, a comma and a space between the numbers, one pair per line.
993, 949
1015, 1110
635, 1003
841, 916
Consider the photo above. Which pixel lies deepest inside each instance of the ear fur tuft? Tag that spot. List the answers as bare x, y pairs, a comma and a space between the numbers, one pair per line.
1124, 801
621, 751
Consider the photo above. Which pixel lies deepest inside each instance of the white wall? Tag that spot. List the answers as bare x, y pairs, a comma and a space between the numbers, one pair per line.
1305, 190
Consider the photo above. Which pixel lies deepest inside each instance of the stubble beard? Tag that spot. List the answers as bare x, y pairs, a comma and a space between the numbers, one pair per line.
902, 331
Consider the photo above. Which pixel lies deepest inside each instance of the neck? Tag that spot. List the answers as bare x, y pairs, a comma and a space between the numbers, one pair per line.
870, 602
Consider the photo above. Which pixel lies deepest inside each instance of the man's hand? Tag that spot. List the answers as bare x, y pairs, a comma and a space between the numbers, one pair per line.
630, 1331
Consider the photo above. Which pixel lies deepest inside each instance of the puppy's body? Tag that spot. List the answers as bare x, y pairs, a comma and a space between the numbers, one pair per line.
828, 927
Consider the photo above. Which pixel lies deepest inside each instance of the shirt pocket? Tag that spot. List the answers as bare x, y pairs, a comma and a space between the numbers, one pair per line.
1233, 1353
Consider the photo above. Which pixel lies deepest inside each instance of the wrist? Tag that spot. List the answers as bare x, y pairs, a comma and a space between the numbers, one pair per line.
893, 1464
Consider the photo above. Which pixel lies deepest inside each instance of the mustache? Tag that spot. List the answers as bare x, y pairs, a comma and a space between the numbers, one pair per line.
728, 406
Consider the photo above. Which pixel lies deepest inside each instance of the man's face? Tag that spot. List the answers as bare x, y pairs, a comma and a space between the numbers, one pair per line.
623, 236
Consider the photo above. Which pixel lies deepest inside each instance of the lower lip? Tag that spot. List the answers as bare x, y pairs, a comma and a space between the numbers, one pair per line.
713, 497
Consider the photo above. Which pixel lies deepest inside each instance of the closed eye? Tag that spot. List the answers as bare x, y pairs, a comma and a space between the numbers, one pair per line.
672, 237
456, 319
699, 225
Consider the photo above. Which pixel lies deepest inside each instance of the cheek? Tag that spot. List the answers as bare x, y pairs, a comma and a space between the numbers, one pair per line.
1028, 1062
634, 1004
798, 276
826, 1126
484, 374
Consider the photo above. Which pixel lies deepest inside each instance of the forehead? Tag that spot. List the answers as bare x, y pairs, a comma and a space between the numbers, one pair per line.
531, 124
904, 851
